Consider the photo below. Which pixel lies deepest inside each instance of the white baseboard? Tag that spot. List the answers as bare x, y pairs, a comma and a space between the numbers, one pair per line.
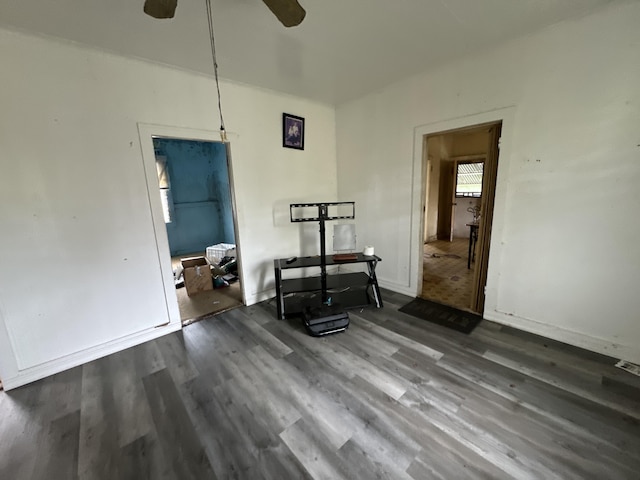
396, 287
260, 296
594, 344
38, 372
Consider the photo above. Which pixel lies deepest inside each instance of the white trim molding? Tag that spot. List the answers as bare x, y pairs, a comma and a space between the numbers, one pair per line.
505, 115
32, 374
146, 132
594, 344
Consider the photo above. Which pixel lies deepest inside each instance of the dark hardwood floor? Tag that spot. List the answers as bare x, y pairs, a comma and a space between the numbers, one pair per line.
243, 395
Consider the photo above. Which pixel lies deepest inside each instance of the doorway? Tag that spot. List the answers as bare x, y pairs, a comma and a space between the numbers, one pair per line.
195, 192
460, 178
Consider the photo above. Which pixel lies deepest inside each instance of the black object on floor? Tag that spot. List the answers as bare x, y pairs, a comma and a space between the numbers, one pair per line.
443, 315
324, 320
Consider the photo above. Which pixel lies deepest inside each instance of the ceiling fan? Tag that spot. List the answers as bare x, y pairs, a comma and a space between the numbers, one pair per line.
289, 12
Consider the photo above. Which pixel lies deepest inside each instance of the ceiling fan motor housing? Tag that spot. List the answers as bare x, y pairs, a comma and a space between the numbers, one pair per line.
289, 12
160, 8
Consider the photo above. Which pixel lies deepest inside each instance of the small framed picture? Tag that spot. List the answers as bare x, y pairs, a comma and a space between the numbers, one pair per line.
292, 131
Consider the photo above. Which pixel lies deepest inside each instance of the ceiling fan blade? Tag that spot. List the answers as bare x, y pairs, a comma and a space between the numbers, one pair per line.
289, 12
160, 8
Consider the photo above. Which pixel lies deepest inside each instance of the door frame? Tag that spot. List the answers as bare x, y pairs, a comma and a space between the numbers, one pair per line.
420, 156
146, 133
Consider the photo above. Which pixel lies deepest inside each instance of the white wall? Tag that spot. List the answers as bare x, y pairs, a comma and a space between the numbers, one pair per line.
565, 259
81, 265
461, 216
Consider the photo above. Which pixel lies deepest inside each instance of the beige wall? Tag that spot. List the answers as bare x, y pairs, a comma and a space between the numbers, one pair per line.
473, 143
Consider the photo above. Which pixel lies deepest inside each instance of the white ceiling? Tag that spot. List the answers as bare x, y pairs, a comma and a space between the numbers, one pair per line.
343, 48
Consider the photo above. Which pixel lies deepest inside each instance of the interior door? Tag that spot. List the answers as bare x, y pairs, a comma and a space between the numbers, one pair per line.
446, 201
489, 179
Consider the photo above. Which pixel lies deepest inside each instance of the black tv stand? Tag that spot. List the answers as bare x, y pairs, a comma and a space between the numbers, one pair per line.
348, 290
323, 308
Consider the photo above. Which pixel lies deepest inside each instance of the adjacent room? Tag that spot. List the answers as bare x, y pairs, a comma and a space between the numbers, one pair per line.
453, 207
167, 312
195, 191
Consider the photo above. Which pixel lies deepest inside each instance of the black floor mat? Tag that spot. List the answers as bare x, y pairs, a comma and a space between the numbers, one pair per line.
443, 315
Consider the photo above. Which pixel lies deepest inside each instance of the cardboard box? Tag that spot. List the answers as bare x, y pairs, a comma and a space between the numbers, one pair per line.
197, 275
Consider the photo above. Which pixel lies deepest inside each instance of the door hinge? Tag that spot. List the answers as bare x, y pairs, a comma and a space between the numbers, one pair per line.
485, 290
499, 143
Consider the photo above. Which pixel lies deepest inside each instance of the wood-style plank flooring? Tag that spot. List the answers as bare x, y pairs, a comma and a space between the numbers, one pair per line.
243, 395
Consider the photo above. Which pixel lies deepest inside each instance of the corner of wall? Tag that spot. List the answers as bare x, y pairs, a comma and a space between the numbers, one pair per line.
396, 287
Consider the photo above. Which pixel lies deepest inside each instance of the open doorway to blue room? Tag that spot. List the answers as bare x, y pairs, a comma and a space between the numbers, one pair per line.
195, 191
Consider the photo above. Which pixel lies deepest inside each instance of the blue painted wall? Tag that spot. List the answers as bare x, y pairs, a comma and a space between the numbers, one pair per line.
200, 193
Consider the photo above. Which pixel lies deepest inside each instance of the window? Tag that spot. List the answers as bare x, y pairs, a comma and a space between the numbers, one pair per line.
469, 179
165, 187
166, 204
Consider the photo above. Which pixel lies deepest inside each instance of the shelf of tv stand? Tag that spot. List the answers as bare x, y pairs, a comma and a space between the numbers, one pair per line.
349, 290
334, 282
314, 261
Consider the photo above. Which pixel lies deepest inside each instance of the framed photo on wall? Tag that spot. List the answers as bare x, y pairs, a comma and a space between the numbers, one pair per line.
292, 131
